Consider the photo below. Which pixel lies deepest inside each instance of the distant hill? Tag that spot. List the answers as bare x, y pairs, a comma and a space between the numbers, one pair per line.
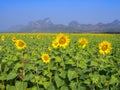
46, 25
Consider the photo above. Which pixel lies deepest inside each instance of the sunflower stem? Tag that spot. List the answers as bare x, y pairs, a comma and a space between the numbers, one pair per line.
49, 72
77, 71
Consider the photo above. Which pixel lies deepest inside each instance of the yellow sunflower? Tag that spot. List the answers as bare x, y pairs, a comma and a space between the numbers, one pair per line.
55, 44
62, 40
45, 58
3, 38
20, 44
38, 36
82, 42
49, 48
14, 39
105, 47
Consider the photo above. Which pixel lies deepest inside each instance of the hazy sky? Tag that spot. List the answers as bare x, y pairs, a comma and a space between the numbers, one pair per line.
14, 12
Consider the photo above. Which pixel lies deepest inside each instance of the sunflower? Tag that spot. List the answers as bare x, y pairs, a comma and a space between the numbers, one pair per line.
55, 44
62, 40
49, 48
82, 42
38, 36
105, 47
45, 58
14, 39
3, 38
20, 44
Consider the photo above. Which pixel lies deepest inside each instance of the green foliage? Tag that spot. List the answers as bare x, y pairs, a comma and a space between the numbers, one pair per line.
72, 74
70, 68
59, 81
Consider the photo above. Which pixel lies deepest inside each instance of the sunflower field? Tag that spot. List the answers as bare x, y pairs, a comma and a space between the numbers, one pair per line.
59, 61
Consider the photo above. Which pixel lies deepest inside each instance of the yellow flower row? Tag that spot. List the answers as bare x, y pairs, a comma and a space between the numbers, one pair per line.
62, 40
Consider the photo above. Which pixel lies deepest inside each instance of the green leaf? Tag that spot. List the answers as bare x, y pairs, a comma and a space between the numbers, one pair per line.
4, 61
70, 61
51, 87
87, 82
71, 74
94, 63
15, 58
46, 84
63, 74
6, 68
28, 77
59, 81
58, 59
52, 66
95, 78
3, 76
9, 63
11, 75
62, 64
21, 85
73, 85
64, 88
8, 87
83, 64
113, 80
2, 86
31, 67
18, 65
34, 88
81, 87
0, 67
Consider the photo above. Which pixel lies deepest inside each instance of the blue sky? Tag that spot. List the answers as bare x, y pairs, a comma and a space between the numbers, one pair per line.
14, 12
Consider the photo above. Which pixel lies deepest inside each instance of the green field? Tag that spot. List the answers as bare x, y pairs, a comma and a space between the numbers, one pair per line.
52, 61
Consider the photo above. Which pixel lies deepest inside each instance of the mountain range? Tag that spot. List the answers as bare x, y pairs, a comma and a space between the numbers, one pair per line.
46, 25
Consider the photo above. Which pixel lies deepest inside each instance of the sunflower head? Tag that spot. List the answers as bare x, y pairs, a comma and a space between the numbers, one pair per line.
49, 48
3, 38
20, 44
105, 47
38, 36
82, 42
45, 58
62, 40
14, 39
55, 44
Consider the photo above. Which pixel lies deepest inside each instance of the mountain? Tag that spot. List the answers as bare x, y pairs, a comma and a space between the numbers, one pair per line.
46, 25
